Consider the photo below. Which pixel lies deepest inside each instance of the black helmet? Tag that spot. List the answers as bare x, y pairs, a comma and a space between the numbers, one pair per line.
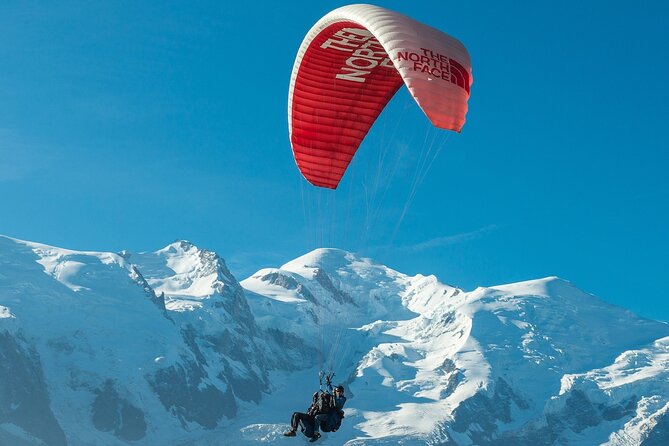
340, 389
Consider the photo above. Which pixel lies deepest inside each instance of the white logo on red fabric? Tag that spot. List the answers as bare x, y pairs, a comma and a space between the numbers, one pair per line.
438, 66
366, 53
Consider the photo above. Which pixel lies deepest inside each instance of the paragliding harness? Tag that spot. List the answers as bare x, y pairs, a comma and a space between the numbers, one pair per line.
323, 402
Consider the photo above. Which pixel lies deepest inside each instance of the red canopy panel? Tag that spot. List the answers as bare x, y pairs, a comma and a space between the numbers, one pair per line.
350, 65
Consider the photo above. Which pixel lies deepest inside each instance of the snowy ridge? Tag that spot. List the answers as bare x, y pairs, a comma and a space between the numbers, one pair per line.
166, 347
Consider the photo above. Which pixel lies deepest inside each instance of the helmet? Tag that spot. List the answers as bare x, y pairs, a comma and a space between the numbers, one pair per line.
340, 389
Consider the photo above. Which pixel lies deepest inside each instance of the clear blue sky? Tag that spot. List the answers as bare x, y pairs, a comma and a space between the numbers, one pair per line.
127, 125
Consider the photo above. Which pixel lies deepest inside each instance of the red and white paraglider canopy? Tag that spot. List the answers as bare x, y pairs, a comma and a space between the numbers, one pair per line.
348, 67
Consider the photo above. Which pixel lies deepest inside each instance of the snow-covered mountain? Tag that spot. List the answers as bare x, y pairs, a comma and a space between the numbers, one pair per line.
538, 362
169, 348
94, 352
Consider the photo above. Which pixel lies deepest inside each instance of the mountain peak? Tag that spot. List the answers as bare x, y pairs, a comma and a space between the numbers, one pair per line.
183, 269
329, 259
178, 246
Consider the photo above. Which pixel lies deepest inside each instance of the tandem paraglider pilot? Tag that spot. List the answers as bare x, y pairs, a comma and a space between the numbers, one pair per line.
325, 413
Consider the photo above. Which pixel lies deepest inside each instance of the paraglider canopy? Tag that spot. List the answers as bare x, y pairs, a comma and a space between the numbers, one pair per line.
350, 65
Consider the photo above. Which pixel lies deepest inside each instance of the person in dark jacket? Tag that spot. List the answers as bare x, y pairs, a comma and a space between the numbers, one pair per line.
325, 413
331, 411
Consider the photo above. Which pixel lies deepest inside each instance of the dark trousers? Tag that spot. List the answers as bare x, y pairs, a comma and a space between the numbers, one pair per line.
320, 419
305, 421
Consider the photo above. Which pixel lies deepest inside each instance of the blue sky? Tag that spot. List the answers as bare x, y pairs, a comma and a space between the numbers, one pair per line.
127, 125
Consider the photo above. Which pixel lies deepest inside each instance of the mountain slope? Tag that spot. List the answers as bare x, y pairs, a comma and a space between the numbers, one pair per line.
77, 329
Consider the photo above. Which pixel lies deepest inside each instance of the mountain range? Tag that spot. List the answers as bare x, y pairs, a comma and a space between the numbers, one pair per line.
170, 348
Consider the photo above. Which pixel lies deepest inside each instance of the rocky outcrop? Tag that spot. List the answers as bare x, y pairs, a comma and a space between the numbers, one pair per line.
111, 413
24, 395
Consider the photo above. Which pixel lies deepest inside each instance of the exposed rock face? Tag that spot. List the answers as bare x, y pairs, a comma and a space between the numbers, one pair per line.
182, 391
326, 282
289, 283
486, 411
24, 397
111, 413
